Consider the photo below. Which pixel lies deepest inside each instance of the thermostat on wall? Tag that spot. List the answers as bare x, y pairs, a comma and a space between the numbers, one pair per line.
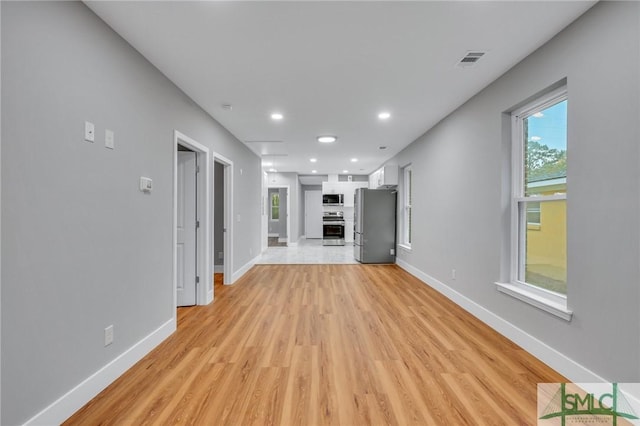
146, 184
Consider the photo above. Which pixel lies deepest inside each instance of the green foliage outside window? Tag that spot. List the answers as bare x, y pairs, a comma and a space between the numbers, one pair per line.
275, 206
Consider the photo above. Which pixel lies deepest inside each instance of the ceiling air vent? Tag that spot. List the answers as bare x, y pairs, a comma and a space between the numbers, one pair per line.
470, 58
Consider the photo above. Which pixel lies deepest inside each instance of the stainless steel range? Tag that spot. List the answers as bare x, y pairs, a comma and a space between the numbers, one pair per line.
332, 228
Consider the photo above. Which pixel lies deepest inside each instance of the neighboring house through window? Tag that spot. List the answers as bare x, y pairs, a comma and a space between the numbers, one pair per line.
538, 204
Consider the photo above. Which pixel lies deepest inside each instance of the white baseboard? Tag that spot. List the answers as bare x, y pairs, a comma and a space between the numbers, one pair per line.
566, 366
77, 397
244, 269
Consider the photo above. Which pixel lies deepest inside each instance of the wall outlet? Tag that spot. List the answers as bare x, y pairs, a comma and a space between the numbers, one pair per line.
108, 335
453, 274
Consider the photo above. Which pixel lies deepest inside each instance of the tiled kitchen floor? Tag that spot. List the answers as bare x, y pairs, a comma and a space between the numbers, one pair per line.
309, 251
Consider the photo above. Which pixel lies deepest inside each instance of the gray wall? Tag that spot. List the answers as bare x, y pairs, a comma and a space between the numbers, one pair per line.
82, 247
303, 207
458, 169
0, 230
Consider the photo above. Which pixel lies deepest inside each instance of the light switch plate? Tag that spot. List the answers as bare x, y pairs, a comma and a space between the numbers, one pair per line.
146, 184
108, 335
89, 131
109, 139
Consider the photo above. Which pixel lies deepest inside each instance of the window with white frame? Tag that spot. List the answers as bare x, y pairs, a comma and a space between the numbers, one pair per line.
275, 206
407, 184
538, 204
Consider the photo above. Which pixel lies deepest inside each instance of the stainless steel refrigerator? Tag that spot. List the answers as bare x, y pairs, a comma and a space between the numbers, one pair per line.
375, 225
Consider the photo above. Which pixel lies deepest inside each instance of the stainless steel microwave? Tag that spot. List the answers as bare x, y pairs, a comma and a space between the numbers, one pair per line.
332, 199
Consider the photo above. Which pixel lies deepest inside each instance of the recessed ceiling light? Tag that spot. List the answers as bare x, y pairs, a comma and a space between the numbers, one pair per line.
384, 115
273, 170
327, 139
314, 171
277, 116
313, 160
345, 171
354, 160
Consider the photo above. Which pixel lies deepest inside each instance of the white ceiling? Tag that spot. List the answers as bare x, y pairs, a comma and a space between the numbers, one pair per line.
330, 67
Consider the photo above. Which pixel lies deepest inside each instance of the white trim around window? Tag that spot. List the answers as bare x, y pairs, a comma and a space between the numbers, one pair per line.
549, 301
407, 200
272, 196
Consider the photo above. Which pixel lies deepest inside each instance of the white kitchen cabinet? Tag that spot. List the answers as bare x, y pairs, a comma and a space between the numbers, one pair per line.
348, 229
346, 188
332, 187
384, 177
350, 192
374, 179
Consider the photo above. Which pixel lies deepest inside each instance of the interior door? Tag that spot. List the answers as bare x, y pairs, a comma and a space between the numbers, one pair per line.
186, 232
313, 214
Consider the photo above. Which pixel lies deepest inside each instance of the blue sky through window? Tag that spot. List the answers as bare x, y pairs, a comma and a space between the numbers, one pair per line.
550, 127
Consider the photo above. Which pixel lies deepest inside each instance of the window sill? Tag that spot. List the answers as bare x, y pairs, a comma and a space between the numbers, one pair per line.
536, 300
405, 247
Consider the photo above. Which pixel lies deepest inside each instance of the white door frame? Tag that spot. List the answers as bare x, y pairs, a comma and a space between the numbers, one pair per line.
228, 216
204, 212
265, 211
288, 209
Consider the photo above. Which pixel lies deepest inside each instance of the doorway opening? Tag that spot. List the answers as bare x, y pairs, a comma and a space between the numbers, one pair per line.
218, 218
265, 212
279, 226
192, 275
223, 218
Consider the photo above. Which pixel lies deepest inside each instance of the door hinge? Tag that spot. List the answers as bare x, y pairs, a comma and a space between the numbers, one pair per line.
197, 224
197, 280
197, 169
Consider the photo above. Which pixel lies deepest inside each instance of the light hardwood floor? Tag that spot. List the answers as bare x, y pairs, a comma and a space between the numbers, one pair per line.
326, 344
